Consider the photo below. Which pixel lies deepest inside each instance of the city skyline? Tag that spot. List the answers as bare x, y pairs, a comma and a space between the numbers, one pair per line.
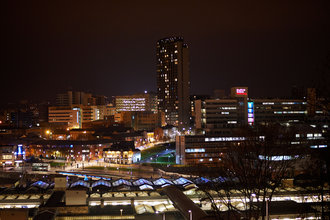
164, 109
48, 47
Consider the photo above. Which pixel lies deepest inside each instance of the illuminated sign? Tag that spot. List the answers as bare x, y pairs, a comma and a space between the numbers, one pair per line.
250, 106
20, 150
241, 92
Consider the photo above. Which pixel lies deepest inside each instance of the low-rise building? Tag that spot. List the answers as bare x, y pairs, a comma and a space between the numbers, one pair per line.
279, 111
122, 153
7, 156
209, 149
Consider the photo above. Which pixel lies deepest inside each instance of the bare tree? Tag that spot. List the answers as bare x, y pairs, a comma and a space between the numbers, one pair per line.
314, 177
253, 170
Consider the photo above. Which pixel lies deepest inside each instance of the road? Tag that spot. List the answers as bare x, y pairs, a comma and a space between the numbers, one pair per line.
110, 170
153, 158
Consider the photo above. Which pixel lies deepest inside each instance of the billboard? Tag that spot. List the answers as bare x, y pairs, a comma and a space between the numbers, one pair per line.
239, 92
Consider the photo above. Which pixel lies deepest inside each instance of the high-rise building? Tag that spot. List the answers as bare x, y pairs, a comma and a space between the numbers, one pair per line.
173, 81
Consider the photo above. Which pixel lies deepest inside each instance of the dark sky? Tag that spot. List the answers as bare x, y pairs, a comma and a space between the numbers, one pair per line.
108, 47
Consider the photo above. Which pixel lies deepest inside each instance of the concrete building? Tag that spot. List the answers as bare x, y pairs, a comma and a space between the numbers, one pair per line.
173, 81
138, 111
217, 115
66, 116
143, 120
73, 116
106, 110
90, 113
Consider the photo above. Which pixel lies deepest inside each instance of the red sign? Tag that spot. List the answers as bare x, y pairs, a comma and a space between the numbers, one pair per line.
241, 92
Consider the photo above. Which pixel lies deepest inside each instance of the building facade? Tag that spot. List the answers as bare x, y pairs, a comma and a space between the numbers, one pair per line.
220, 116
122, 153
209, 149
216, 115
137, 102
173, 81
67, 116
79, 98
279, 110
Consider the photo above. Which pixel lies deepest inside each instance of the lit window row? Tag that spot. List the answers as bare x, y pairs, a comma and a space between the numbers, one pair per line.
195, 150
225, 139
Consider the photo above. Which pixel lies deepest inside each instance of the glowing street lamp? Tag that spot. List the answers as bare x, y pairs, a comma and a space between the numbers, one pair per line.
121, 212
190, 214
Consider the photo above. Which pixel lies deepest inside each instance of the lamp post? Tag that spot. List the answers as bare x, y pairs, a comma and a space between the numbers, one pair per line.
121, 212
190, 214
267, 209
163, 214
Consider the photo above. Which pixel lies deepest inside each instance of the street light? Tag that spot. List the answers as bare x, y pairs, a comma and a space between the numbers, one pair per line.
190, 214
163, 214
267, 209
121, 212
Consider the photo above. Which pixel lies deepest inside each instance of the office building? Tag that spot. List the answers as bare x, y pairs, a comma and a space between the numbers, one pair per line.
206, 150
90, 113
65, 116
216, 116
137, 102
173, 81
279, 111
209, 149
220, 116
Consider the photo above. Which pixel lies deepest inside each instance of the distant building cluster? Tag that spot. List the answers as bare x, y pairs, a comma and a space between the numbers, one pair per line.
221, 115
84, 126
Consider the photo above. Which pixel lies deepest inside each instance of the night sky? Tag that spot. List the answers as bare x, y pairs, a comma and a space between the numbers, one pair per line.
109, 47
